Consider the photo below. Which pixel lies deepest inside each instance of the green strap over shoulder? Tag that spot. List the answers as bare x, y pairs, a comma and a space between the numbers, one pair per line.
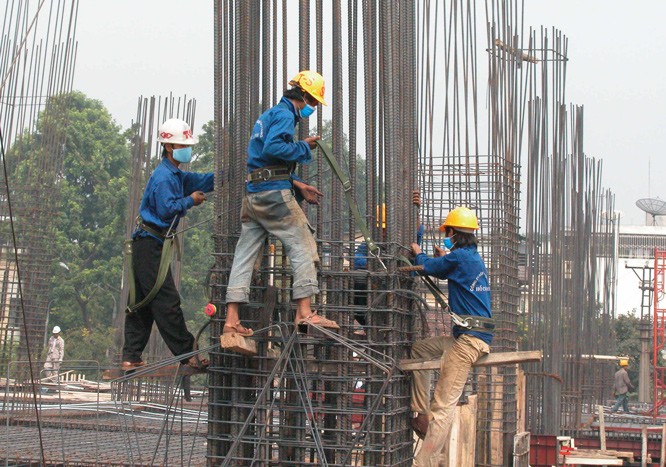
347, 186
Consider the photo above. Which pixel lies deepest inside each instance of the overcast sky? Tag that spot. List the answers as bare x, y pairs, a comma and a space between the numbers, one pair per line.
616, 69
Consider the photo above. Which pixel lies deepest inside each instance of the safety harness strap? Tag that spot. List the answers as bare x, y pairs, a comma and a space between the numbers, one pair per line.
467, 322
373, 249
169, 243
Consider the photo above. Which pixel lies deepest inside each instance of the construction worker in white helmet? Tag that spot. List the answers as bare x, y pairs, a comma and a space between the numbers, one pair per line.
270, 204
621, 387
169, 194
54, 354
469, 298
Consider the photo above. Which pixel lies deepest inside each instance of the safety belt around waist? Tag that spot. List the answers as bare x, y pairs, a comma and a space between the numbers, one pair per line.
270, 173
168, 245
479, 323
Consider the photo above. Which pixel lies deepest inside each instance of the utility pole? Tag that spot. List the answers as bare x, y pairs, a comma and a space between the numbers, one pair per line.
645, 327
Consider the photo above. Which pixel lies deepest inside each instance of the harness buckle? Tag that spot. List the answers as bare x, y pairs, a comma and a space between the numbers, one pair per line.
266, 174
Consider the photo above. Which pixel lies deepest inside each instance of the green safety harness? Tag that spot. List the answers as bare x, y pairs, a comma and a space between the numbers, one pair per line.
169, 245
373, 249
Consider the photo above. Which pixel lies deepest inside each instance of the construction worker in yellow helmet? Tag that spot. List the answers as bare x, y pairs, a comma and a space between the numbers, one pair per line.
271, 202
621, 387
469, 295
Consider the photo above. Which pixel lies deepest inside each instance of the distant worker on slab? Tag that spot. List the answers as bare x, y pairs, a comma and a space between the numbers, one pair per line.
55, 353
621, 387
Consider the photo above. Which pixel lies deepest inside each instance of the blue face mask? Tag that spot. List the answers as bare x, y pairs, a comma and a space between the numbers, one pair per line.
307, 111
183, 155
448, 243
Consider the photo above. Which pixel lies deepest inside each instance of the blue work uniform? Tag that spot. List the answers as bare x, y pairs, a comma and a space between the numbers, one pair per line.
469, 288
272, 143
167, 195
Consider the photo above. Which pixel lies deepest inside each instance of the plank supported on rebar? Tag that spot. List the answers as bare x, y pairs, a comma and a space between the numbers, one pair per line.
492, 359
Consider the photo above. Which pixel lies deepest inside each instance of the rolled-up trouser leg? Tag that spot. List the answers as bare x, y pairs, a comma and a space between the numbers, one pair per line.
279, 213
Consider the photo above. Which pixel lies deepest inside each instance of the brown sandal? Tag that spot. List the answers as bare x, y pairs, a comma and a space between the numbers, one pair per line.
237, 328
318, 320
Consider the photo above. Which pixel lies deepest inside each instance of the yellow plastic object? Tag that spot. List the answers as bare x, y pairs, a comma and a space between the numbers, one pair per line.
312, 83
624, 362
383, 215
461, 218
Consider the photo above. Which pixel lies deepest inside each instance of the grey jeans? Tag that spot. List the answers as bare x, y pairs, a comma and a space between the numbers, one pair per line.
275, 212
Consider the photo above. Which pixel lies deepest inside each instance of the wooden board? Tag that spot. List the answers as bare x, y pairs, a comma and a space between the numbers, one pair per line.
492, 359
601, 460
234, 342
461, 449
521, 449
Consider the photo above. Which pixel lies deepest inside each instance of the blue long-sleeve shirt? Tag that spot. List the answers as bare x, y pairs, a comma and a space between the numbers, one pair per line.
272, 143
167, 195
469, 288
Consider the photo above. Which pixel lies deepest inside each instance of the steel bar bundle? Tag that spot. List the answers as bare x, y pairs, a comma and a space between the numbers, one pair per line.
37, 60
569, 285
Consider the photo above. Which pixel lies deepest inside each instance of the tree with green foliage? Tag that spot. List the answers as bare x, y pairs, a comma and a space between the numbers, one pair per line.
90, 226
627, 331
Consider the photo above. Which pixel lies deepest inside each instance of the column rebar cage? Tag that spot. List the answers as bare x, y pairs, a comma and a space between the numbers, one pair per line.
569, 281
37, 60
335, 399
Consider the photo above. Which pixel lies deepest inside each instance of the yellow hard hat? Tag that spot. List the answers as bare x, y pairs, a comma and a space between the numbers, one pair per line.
461, 218
624, 362
312, 83
383, 215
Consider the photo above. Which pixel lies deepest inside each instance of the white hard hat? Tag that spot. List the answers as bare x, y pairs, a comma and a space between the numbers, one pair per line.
56, 329
176, 131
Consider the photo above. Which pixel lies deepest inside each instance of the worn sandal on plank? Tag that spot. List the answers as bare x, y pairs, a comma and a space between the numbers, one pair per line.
318, 320
237, 328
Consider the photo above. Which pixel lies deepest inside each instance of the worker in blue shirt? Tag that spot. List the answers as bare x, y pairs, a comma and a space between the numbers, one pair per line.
469, 295
270, 204
169, 194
